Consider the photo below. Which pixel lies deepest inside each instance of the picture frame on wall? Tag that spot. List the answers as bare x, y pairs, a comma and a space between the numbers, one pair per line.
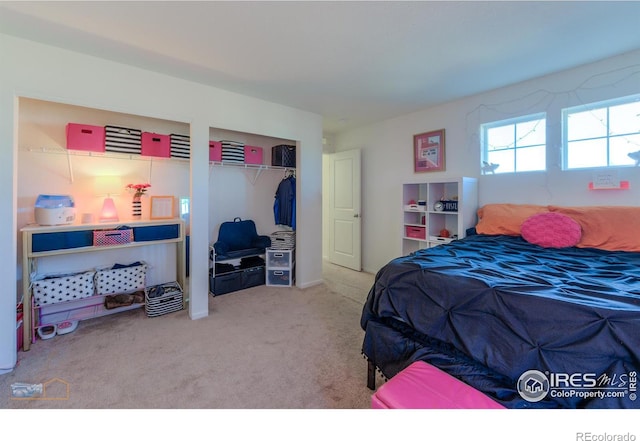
429, 151
162, 207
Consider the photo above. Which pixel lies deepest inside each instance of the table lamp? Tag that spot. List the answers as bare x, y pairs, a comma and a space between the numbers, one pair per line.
107, 186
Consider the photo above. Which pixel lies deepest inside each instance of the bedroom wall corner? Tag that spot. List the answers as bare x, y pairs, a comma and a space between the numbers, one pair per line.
387, 149
8, 208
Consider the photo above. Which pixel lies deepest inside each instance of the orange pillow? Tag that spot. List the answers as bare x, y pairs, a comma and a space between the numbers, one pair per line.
607, 228
505, 219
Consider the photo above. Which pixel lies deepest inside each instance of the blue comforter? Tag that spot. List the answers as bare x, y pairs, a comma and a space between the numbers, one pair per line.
499, 313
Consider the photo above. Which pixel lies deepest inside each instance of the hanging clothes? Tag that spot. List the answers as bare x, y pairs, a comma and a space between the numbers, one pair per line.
284, 206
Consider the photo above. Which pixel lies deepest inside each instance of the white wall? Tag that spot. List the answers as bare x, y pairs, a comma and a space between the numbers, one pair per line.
387, 150
51, 74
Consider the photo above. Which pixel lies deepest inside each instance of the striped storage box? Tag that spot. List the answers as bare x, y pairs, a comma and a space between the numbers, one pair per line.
163, 299
232, 152
123, 140
180, 146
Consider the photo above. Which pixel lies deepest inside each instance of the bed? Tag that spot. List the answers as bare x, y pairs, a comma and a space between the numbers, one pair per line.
530, 321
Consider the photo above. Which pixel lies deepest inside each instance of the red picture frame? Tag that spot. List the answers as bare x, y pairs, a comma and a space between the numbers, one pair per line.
429, 151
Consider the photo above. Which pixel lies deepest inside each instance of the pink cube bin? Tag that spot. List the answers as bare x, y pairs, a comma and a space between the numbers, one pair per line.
415, 232
252, 154
215, 151
156, 145
85, 137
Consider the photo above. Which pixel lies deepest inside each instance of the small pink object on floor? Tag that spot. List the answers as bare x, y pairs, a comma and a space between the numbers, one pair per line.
66, 327
423, 386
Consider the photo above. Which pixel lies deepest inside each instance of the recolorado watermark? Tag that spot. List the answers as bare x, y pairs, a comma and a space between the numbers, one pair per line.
590, 436
534, 386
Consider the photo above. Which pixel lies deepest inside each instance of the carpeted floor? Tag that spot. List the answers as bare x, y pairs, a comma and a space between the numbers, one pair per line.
267, 361
260, 348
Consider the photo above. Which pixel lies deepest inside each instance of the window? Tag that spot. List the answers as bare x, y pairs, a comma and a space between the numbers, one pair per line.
514, 145
605, 134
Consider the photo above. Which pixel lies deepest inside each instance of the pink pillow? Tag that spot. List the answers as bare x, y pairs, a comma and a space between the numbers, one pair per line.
551, 230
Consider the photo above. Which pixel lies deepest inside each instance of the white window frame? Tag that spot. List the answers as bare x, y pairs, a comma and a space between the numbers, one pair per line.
514, 146
607, 104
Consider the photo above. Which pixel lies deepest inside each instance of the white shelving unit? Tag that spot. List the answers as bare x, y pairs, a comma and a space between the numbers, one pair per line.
424, 223
281, 267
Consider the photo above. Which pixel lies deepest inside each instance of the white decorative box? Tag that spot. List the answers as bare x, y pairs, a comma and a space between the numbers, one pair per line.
124, 280
63, 288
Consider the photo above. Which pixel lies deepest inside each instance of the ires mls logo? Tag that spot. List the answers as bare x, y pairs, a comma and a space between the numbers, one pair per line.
534, 385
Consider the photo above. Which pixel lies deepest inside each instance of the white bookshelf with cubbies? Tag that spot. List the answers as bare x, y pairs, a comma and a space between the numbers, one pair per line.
437, 212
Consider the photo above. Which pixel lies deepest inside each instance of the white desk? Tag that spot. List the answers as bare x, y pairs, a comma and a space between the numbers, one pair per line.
69, 248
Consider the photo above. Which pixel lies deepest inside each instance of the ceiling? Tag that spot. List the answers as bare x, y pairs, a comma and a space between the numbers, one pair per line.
354, 62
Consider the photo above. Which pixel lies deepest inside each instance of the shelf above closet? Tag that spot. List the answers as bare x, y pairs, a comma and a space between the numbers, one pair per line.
106, 155
112, 155
257, 169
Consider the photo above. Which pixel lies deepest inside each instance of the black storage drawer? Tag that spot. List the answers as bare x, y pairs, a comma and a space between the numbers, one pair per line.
225, 283
234, 281
253, 277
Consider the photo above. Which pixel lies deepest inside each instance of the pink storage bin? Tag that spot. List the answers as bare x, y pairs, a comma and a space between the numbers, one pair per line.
103, 238
85, 137
157, 145
215, 151
415, 232
252, 154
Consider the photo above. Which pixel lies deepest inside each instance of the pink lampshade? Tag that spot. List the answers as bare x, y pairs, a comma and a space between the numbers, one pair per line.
108, 186
109, 212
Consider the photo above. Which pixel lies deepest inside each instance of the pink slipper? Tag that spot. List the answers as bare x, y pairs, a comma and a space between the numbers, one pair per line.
67, 327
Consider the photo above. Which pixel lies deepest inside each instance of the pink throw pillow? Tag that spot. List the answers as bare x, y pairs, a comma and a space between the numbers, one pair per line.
551, 230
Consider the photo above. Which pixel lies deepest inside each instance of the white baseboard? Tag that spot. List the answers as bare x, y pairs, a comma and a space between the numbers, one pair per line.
310, 284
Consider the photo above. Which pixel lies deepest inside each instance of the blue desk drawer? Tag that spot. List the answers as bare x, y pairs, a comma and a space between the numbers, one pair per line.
156, 232
61, 240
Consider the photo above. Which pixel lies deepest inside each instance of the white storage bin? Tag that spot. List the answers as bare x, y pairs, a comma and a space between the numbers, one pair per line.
123, 280
280, 277
279, 258
63, 288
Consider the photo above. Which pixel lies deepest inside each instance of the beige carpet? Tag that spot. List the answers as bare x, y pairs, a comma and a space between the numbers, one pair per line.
260, 348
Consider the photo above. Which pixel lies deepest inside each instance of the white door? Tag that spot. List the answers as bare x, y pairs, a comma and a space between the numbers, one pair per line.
344, 206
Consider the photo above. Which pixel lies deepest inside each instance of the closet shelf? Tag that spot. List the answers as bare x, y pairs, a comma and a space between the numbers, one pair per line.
112, 155
256, 168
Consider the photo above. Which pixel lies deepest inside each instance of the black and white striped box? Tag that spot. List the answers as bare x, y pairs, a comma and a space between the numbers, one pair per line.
163, 299
180, 146
232, 152
123, 140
